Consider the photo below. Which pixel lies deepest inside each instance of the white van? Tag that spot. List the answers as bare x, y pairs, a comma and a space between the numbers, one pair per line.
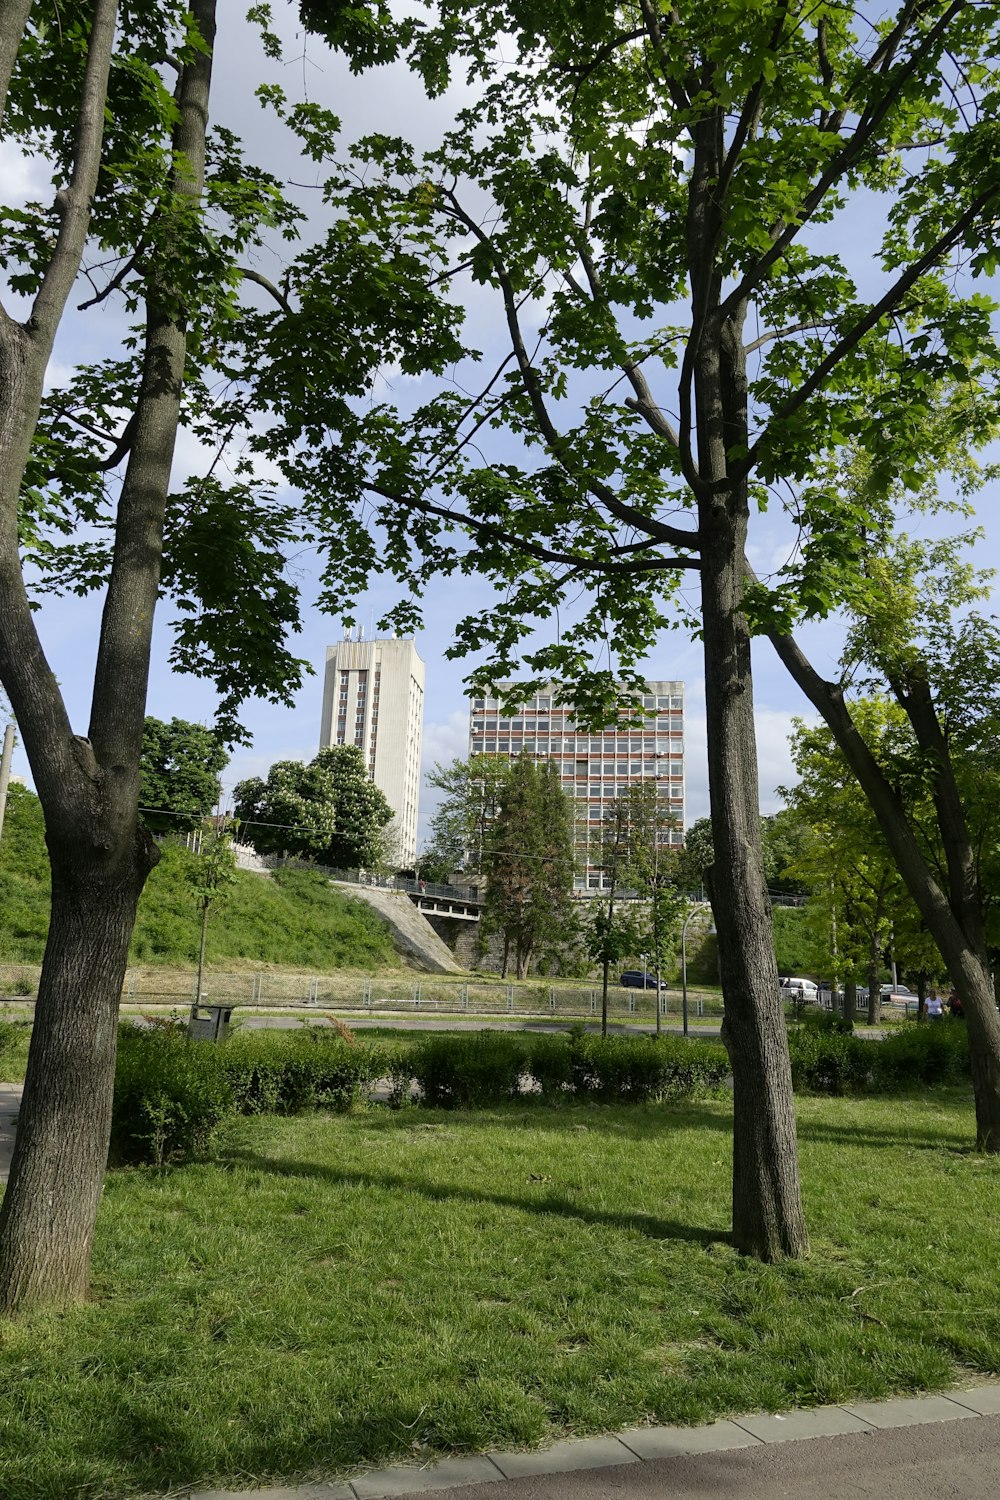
800, 991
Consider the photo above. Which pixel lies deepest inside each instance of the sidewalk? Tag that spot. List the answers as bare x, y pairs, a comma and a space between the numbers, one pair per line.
928, 1447
10, 1103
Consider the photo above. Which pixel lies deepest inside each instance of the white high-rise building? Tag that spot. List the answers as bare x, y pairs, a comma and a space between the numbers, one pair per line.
373, 697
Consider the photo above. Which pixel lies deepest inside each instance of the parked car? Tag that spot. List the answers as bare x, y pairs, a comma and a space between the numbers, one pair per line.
800, 991
635, 979
896, 992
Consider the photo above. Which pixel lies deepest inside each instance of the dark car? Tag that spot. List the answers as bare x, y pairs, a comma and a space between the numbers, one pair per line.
635, 979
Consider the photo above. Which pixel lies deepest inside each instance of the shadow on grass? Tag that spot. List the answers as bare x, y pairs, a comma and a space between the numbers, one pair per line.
640, 1121
845, 1135
553, 1203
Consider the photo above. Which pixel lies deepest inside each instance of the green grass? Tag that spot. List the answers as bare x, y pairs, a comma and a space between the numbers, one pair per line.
293, 918
15, 1034
332, 1294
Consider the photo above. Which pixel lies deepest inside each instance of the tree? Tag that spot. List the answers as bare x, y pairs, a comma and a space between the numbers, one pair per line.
913, 634
329, 810
653, 874
632, 860
156, 215
214, 875
179, 772
462, 819
778, 846
852, 872
625, 162
529, 864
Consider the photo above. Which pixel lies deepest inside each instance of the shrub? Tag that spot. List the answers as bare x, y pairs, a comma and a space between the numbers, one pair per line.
825, 1061
935, 1052
637, 1069
170, 1094
291, 1072
550, 1062
469, 1072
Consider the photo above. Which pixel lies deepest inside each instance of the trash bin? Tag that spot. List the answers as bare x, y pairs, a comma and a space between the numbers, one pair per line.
209, 1023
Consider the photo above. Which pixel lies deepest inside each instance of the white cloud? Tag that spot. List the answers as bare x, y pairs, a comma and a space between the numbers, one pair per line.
443, 742
25, 178
774, 757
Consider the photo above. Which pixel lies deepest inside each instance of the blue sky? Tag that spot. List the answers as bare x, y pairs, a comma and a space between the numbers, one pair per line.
391, 101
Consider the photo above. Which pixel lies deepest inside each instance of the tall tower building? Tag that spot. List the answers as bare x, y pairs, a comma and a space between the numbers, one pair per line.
373, 697
594, 768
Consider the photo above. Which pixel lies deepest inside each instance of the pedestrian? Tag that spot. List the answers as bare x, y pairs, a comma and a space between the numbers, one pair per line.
934, 1006
955, 1007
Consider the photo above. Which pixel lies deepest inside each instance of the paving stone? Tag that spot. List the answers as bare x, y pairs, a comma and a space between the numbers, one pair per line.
668, 1442
984, 1400
573, 1453
819, 1421
406, 1479
908, 1411
285, 1492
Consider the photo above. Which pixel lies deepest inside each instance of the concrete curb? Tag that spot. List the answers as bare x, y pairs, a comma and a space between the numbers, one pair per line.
638, 1445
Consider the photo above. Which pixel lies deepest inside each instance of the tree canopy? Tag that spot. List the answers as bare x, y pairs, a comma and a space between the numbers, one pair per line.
529, 865
180, 768
329, 810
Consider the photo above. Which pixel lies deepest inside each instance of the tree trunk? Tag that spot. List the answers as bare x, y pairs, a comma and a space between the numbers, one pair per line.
604, 996
874, 989
61, 1149
850, 1000
99, 854
768, 1221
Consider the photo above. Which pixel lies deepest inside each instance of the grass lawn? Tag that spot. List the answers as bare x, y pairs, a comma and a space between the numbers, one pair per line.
333, 1293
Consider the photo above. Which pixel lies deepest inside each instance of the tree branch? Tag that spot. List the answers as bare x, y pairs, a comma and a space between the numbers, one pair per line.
781, 333
75, 200
656, 530
516, 542
869, 121
750, 113
13, 20
122, 673
864, 325
678, 94
643, 402
259, 280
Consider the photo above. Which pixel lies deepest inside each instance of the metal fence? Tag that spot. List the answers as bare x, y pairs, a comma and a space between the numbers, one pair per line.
403, 995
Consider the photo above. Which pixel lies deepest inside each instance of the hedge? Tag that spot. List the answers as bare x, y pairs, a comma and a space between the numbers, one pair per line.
171, 1093
827, 1059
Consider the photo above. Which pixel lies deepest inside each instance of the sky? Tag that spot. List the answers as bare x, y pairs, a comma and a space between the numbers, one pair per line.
392, 101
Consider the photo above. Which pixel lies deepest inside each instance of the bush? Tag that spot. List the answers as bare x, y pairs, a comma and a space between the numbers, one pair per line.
170, 1094
469, 1072
637, 1069
826, 1061
293, 1071
550, 1061
933, 1052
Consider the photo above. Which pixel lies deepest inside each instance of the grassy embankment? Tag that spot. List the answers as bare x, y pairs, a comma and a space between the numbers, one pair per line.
293, 919
334, 1293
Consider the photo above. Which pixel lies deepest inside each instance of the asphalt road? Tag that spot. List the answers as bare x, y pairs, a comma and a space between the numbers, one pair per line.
937, 1461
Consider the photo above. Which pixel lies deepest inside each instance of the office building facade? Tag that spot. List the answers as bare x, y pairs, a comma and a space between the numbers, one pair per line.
373, 697
594, 767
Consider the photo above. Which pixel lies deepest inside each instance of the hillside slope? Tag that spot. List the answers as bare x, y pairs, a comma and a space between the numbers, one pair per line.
294, 918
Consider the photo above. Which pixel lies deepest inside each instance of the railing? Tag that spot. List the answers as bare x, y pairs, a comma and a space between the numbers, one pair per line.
174, 988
